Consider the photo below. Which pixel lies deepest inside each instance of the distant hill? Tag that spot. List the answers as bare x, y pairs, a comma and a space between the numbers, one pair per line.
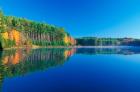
94, 41
16, 32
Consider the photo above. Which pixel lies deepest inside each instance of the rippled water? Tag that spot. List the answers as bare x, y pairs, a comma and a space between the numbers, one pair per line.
70, 70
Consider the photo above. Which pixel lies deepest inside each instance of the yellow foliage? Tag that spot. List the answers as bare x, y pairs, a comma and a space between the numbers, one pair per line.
5, 35
15, 36
66, 39
12, 35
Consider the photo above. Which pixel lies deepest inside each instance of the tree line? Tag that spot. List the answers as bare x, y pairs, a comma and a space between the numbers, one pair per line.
94, 41
33, 32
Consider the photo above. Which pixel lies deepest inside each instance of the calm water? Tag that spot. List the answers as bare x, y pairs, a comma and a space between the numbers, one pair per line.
71, 70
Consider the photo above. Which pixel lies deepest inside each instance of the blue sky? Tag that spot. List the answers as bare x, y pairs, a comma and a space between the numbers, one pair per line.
101, 18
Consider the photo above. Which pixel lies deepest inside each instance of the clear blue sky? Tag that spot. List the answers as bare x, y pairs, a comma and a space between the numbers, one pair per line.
102, 18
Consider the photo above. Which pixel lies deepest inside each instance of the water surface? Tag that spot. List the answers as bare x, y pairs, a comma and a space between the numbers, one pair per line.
70, 70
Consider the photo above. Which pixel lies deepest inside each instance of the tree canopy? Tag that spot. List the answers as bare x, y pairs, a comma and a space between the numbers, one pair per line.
32, 32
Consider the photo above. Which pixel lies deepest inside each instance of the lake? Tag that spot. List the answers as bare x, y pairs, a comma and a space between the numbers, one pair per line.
70, 70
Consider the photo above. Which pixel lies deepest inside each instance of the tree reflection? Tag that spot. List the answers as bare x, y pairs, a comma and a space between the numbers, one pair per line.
20, 62
115, 50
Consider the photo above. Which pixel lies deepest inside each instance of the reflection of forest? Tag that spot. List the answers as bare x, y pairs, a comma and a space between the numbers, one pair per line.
119, 50
20, 62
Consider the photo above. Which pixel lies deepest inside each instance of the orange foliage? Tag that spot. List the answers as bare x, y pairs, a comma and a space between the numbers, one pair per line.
16, 37
72, 41
68, 39
69, 53
5, 60
13, 35
14, 58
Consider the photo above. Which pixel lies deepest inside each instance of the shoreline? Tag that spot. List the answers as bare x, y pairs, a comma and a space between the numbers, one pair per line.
37, 47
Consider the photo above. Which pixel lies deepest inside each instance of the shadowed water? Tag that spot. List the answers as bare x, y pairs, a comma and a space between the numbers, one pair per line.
70, 70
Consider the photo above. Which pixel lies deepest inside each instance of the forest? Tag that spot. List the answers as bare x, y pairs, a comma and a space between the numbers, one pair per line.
94, 41
20, 31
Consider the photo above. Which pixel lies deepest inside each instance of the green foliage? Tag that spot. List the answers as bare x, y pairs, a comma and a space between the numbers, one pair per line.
38, 33
39, 59
6, 43
93, 41
2, 22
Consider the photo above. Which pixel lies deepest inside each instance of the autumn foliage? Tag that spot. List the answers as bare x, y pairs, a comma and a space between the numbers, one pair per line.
69, 40
20, 31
